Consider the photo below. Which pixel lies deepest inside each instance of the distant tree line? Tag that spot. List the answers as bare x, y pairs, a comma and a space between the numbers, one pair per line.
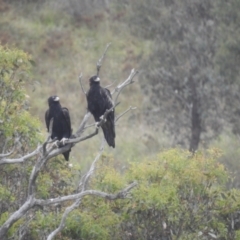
191, 79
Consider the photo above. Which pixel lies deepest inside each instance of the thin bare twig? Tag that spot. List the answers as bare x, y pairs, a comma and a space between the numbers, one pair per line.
117, 118
44, 154
77, 140
42, 159
7, 154
21, 159
127, 82
106, 113
80, 81
99, 124
121, 194
16, 141
78, 197
48, 137
129, 109
16, 216
5, 145
100, 61
83, 183
90, 125
111, 84
82, 125
91, 170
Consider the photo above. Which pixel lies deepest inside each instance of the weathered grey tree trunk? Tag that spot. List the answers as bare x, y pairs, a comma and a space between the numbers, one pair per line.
47, 151
196, 128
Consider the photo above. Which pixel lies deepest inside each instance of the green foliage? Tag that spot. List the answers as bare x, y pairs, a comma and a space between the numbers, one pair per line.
177, 194
15, 123
230, 157
43, 222
56, 179
15, 119
12, 231
181, 193
96, 217
176, 191
91, 224
179, 80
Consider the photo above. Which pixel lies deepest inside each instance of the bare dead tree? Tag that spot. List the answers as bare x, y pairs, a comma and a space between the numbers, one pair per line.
48, 150
100, 61
99, 65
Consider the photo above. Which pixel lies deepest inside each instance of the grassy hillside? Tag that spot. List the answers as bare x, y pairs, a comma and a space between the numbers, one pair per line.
63, 46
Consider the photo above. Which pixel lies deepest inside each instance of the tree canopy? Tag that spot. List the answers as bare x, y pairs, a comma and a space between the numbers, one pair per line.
166, 179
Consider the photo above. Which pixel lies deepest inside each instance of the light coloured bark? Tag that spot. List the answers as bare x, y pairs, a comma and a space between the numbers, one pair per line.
49, 150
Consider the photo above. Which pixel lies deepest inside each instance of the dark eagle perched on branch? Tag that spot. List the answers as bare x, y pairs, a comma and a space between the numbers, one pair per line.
99, 100
61, 128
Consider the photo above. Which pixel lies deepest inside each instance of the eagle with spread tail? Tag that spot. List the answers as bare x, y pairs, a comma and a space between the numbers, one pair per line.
99, 100
61, 128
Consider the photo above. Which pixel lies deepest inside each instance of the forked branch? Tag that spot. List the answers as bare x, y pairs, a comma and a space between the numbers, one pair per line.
21, 159
47, 151
120, 195
81, 84
99, 124
122, 114
100, 61
83, 192
127, 82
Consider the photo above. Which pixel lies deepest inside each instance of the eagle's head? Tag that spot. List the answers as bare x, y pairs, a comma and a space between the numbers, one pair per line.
94, 80
52, 100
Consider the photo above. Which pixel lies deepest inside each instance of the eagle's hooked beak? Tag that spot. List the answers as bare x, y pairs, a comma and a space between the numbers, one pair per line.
56, 99
97, 79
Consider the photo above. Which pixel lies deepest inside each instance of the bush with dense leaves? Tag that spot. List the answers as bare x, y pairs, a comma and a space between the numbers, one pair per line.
179, 196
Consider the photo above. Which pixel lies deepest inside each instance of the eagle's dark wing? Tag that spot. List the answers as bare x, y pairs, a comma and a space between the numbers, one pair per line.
106, 99
61, 128
109, 126
94, 103
67, 131
99, 100
47, 119
67, 128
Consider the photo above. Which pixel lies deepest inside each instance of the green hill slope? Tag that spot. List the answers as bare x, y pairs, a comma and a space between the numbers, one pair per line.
63, 46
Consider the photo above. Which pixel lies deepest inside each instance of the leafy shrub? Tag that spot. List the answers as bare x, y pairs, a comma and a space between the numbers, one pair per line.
179, 196
15, 120
18, 129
